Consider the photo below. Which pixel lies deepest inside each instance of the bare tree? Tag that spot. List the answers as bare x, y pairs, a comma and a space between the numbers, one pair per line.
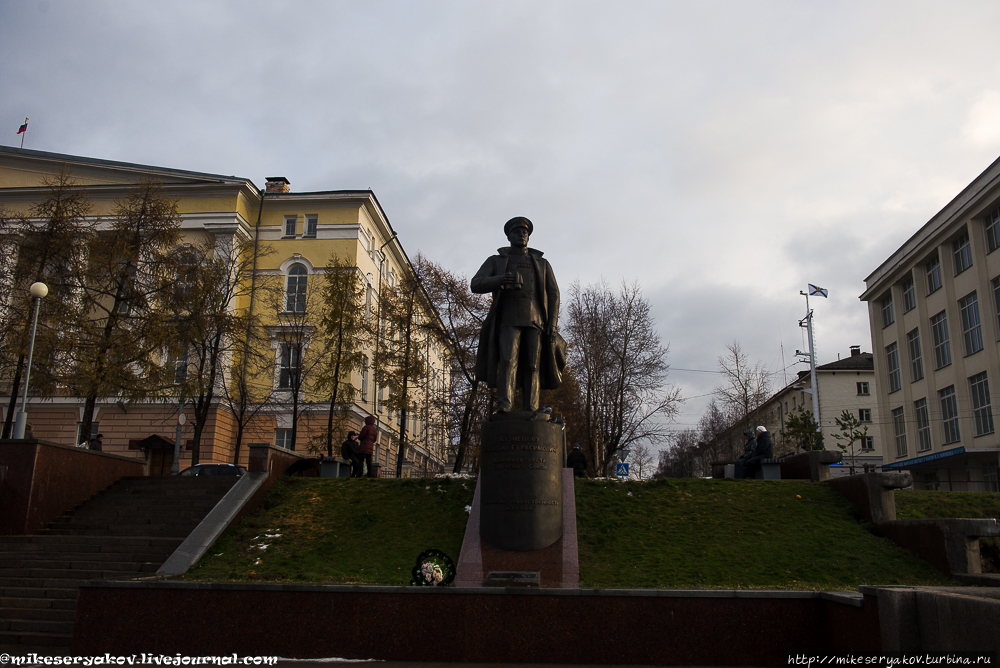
461, 313
622, 369
123, 321
747, 386
299, 344
641, 462
345, 329
399, 364
210, 280
48, 246
680, 459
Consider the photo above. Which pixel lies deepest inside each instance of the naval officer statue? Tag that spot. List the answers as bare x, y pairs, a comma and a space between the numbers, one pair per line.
519, 345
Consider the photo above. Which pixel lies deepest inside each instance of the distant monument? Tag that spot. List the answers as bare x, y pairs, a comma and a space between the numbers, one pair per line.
522, 454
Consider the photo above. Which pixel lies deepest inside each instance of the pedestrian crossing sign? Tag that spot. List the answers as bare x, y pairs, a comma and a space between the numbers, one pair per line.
621, 470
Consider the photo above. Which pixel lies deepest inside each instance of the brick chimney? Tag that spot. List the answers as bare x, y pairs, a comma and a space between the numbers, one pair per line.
855, 351
277, 184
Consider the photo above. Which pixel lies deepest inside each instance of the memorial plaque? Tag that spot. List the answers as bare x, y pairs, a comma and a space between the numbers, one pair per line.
521, 464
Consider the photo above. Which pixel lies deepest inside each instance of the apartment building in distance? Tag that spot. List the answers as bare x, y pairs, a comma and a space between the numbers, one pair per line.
844, 384
303, 232
934, 309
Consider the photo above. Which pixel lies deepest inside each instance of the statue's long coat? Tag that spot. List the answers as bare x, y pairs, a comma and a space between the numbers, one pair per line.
487, 279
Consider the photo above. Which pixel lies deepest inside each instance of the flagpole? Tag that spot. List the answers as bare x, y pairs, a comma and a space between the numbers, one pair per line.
812, 362
23, 134
812, 367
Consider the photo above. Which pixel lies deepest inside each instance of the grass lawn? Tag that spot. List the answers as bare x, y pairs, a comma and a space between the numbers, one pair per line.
341, 531
915, 505
660, 534
733, 534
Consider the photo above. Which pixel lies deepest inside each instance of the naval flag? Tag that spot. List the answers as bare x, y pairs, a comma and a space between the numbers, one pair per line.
816, 290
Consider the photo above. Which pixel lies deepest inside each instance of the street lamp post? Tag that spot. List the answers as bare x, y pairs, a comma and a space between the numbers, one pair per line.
37, 290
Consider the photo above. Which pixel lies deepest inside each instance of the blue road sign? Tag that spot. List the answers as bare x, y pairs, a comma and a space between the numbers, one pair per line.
621, 470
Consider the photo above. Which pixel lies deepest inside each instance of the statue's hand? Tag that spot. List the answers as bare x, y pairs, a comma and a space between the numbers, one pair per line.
510, 280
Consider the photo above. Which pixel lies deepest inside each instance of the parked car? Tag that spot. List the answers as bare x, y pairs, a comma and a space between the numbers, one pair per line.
214, 469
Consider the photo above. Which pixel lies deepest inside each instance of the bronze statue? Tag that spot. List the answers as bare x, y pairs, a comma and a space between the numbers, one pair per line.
519, 345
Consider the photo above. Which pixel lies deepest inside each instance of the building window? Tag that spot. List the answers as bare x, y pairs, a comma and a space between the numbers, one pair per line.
981, 409
899, 429
962, 250
909, 295
892, 364
865, 414
283, 438
949, 415
996, 297
993, 230
364, 378
868, 443
863, 389
923, 424
295, 289
180, 364
916, 361
933, 274
290, 226
311, 221
942, 347
888, 316
930, 481
971, 332
289, 366
991, 476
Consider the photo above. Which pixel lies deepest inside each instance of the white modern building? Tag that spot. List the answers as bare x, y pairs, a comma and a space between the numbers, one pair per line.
933, 307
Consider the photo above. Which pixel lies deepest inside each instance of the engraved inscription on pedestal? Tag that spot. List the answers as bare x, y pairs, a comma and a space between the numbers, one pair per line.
521, 476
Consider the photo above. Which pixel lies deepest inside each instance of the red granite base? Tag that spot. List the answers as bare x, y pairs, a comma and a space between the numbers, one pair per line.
558, 564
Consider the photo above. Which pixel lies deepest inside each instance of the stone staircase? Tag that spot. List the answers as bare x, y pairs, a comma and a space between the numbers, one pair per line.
125, 532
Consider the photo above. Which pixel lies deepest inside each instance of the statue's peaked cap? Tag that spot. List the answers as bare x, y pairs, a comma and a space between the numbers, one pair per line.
518, 221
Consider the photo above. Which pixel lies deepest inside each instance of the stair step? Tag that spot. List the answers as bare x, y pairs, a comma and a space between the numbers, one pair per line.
82, 540
43, 614
37, 603
33, 567
60, 593
74, 559
74, 580
32, 639
35, 626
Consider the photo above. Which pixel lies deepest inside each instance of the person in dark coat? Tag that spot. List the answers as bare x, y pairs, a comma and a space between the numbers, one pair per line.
762, 450
577, 461
367, 437
349, 451
748, 448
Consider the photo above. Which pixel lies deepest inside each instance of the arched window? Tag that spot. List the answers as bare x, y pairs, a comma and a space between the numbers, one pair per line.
295, 289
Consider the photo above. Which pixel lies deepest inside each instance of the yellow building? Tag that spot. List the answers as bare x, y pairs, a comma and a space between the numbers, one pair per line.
303, 232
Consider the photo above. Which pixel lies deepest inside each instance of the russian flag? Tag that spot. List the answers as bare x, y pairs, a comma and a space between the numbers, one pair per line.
24, 127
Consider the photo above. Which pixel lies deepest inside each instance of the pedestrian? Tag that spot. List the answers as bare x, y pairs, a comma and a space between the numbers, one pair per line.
748, 447
368, 436
97, 442
762, 450
349, 451
577, 461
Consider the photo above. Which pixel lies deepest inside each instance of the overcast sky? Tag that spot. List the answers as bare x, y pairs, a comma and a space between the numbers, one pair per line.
723, 154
